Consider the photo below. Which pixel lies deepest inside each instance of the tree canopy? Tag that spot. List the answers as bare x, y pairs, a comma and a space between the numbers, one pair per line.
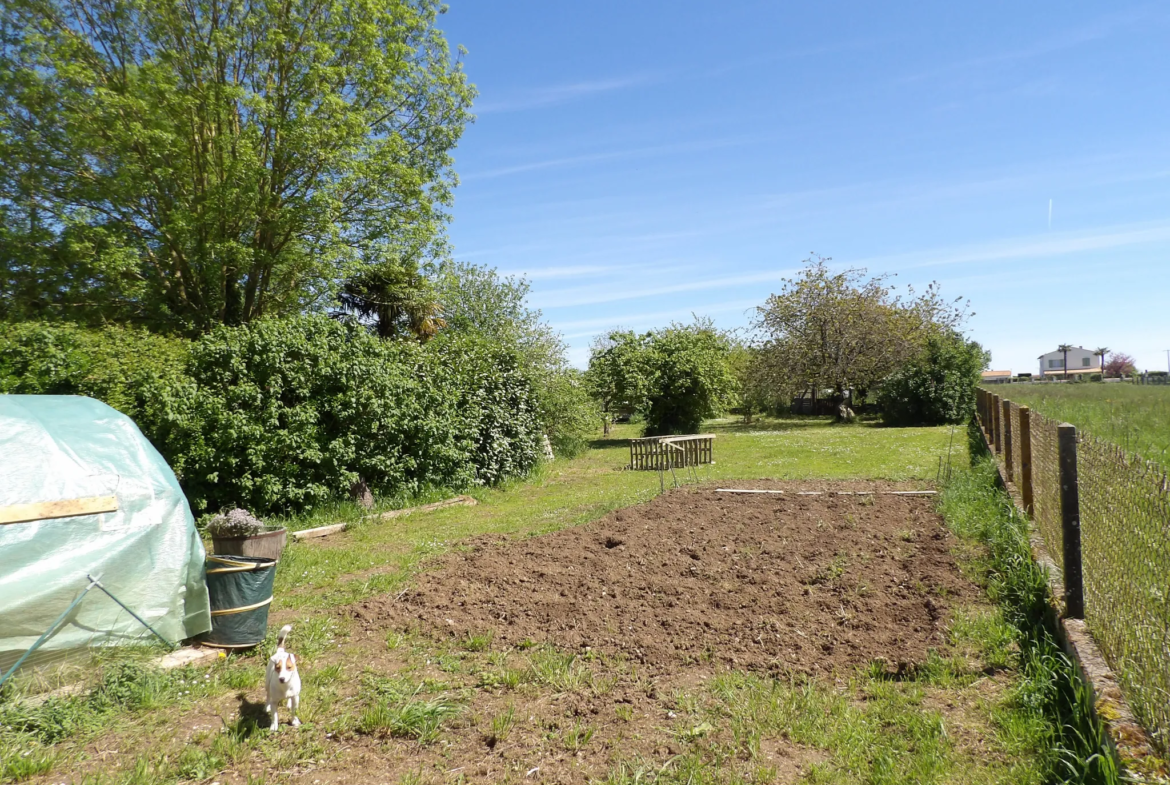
188, 164
675, 377
843, 330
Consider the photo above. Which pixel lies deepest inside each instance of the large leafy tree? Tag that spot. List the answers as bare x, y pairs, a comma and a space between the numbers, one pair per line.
689, 377
617, 377
191, 163
843, 330
479, 301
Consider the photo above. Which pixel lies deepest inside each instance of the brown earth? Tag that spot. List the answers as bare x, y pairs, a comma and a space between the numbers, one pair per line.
785, 583
664, 595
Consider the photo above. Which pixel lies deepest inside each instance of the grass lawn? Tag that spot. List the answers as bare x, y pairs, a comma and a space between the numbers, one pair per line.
1134, 416
391, 706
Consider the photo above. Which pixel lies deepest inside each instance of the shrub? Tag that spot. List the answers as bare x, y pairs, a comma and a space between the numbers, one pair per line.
1094, 377
117, 365
936, 387
496, 409
283, 415
689, 378
569, 414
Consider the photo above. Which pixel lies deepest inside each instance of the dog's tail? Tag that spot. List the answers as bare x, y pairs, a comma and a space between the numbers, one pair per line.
280, 636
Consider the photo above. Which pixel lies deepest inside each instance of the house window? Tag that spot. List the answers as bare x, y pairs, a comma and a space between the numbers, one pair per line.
1085, 361
1056, 363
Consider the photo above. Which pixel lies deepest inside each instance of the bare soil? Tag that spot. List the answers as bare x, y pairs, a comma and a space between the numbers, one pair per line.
784, 583
658, 598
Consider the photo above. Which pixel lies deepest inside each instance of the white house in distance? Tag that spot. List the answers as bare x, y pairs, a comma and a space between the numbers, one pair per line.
1080, 360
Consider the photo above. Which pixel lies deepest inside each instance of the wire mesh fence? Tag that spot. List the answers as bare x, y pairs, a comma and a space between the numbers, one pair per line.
1017, 452
1125, 537
1124, 534
1046, 486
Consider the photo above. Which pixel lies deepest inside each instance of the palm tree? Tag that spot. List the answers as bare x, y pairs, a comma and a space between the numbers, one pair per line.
396, 297
1101, 351
1066, 348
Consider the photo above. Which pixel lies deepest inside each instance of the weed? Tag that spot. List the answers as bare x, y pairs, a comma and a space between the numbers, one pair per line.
624, 711
411, 719
577, 737
478, 641
501, 727
558, 669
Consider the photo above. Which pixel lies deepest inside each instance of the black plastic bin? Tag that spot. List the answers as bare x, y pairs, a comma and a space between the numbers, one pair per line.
240, 588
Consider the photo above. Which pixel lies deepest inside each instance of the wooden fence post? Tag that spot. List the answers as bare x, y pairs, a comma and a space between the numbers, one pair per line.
1070, 522
1024, 445
996, 413
1009, 469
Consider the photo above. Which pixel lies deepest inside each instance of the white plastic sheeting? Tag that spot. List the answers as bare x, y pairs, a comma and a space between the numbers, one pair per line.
148, 553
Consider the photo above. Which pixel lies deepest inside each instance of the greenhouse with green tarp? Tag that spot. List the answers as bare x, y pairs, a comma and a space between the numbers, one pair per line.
84, 497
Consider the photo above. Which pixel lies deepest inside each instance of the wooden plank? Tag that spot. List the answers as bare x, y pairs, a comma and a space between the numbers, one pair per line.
65, 508
320, 531
458, 501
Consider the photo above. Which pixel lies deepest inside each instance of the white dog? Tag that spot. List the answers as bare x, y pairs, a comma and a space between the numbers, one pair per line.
284, 683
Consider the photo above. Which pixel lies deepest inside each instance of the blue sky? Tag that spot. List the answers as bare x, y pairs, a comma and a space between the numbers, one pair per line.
640, 162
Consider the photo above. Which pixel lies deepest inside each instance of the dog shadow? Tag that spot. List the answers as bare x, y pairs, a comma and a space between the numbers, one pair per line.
253, 717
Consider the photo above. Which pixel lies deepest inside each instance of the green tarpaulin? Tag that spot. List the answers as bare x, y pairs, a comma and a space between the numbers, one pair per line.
147, 553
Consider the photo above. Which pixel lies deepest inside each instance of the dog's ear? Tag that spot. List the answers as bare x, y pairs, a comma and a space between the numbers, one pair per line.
292, 662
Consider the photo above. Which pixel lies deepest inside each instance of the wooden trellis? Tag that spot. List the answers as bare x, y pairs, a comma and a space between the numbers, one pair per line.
661, 453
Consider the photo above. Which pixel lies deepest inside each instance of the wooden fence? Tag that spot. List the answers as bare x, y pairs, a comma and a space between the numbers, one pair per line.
660, 453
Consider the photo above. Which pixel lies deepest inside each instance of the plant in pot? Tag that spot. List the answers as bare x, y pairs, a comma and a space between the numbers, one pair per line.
238, 533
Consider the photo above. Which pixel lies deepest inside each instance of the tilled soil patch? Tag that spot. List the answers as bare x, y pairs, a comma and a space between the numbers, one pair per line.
785, 583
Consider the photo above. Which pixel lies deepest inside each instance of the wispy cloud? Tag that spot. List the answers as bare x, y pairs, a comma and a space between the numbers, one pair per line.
1070, 38
534, 98
566, 271
611, 155
1027, 247
567, 298
641, 319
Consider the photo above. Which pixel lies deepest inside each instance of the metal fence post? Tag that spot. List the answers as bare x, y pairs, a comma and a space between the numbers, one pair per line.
1024, 445
1070, 521
1006, 417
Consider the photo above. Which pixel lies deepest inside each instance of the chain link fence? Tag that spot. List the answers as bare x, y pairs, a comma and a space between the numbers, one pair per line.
1046, 486
1124, 535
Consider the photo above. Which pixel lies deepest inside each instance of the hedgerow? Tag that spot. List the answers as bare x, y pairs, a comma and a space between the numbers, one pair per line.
283, 415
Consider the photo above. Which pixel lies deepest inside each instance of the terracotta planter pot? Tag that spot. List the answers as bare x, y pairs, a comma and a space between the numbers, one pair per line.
266, 545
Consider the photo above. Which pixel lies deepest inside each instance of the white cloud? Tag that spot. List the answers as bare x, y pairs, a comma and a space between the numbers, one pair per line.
558, 94
617, 291
1027, 247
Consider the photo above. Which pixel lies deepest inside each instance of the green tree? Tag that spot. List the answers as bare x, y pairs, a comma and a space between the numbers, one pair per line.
759, 388
937, 386
478, 301
617, 374
688, 377
214, 162
843, 330
396, 299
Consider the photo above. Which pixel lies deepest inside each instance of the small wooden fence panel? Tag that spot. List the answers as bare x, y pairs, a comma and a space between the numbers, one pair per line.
660, 453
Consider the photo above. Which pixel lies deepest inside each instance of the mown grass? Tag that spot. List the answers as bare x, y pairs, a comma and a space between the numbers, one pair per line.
1133, 416
995, 711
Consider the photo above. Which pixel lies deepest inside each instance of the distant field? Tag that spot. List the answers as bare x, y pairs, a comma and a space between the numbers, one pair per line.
1136, 417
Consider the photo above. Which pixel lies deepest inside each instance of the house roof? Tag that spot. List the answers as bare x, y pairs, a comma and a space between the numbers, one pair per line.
995, 374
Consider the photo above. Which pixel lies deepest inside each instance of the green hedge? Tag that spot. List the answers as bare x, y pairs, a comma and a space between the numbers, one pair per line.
283, 415
936, 387
118, 365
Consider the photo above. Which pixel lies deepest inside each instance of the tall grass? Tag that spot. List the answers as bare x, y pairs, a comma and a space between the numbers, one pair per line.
1135, 417
1049, 687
